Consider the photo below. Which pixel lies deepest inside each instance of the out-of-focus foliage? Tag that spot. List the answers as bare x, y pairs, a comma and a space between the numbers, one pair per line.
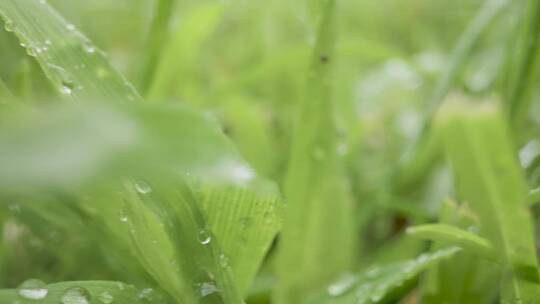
269, 151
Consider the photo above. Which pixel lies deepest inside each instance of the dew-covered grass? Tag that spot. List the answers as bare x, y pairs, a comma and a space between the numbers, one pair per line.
283, 152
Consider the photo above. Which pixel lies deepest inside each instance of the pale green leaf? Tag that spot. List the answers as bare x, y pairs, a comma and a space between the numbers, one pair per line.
76, 67
489, 178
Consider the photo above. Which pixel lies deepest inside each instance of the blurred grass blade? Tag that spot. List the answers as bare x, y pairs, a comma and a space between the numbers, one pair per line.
62, 146
316, 240
5, 93
468, 276
534, 196
75, 66
453, 236
488, 176
522, 62
157, 38
74, 292
180, 52
463, 49
426, 150
377, 283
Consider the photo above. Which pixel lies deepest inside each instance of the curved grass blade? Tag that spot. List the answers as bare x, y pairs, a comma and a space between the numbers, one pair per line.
317, 236
75, 66
453, 236
77, 292
378, 283
488, 176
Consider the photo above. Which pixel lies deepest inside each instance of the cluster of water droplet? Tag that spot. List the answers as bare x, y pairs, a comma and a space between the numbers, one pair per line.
34, 289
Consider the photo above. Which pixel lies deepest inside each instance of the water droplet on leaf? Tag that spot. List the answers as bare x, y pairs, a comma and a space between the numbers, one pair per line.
204, 237
9, 26
106, 297
207, 288
143, 187
33, 289
223, 261
76, 295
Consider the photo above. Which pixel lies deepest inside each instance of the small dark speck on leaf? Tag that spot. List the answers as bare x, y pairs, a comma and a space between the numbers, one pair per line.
324, 58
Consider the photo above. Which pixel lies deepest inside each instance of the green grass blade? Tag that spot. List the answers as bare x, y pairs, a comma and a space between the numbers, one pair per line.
199, 262
453, 236
426, 150
463, 49
523, 59
157, 38
488, 176
243, 210
378, 283
75, 66
245, 222
466, 277
316, 238
5, 93
180, 52
82, 142
78, 292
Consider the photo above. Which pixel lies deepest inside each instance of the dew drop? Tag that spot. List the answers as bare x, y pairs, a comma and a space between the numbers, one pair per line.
120, 285
33, 289
89, 48
76, 295
204, 237
341, 286
143, 187
223, 261
32, 51
146, 294
67, 87
9, 26
70, 27
207, 288
106, 297
48, 42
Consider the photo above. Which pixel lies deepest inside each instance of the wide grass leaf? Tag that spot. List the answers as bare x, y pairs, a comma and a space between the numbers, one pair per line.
76, 67
488, 176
